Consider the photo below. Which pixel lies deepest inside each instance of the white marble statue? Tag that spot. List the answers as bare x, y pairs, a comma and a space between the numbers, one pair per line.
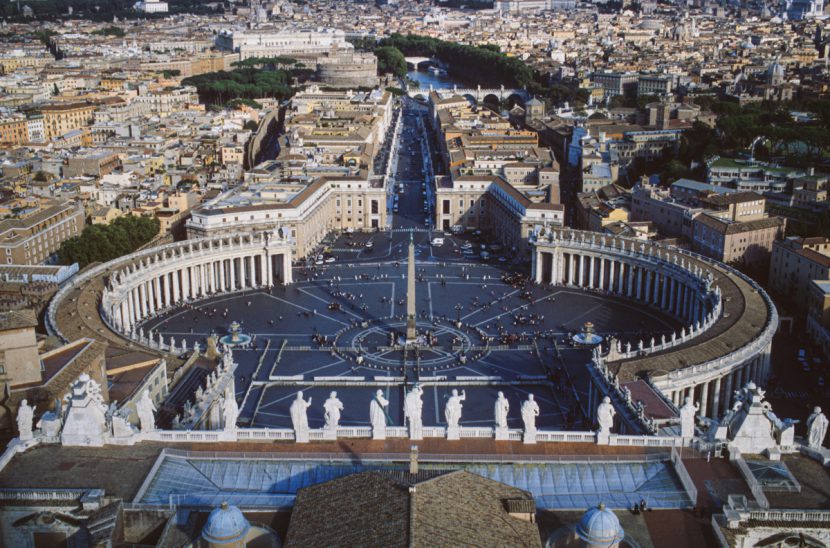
816, 429
530, 410
332, 408
227, 359
502, 407
605, 416
230, 412
25, 416
452, 411
299, 417
687, 418
377, 415
412, 412
145, 408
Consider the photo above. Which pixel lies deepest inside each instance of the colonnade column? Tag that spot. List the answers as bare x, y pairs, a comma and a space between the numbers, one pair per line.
602, 274
612, 286
704, 398
572, 277
243, 265
167, 293
714, 413
142, 299
639, 283
232, 263
591, 260
727, 392
177, 293
288, 274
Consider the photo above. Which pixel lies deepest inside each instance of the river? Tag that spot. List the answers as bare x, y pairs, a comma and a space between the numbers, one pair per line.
427, 78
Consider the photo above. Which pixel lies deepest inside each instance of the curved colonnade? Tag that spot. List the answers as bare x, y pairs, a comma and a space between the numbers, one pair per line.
143, 284
728, 319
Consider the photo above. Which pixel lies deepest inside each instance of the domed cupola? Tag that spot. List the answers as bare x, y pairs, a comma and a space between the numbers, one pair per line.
226, 526
599, 527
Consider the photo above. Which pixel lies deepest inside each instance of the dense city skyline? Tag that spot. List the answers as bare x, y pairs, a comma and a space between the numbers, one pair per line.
330, 273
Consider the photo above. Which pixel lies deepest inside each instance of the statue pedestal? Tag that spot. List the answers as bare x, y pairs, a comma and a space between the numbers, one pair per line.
453, 433
603, 438
529, 437
330, 434
502, 434
819, 454
300, 436
378, 433
416, 433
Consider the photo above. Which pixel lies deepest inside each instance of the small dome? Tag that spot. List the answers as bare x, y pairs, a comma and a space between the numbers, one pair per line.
600, 526
225, 524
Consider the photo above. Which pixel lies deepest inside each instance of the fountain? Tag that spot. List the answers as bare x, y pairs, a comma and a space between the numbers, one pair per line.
234, 337
587, 337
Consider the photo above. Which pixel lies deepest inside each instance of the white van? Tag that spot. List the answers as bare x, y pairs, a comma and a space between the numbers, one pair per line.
438, 242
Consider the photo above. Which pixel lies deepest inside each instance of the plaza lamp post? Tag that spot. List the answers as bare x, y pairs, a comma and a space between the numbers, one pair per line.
458, 309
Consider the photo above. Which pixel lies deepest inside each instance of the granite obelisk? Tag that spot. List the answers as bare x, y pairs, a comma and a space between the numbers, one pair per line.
411, 329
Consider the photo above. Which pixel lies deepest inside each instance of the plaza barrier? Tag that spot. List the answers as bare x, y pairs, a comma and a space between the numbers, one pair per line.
749, 477
684, 476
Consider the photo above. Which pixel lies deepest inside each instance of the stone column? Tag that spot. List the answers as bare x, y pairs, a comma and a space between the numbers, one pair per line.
263, 262
536, 266
601, 285
649, 290
167, 296
232, 264
672, 291
221, 264
288, 274
142, 292
612, 285
630, 269
131, 307
572, 277
639, 283
591, 261
156, 303
715, 412
686, 302
704, 399
243, 264
727, 392
177, 293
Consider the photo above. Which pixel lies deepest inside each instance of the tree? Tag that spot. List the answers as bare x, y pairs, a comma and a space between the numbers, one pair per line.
674, 170
101, 243
391, 60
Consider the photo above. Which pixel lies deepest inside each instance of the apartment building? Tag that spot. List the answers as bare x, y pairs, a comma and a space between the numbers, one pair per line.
499, 177
61, 118
818, 315
652, 84
36, 233
795, 263
728, 241
617, 83
13, 131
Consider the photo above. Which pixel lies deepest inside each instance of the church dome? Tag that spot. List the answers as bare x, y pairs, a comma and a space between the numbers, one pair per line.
225, 524
600, 527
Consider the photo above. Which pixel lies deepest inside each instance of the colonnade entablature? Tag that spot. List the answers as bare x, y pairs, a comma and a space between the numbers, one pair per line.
715, 304
151, 281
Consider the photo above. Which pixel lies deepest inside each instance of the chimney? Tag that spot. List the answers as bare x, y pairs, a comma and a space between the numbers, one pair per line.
413, 460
